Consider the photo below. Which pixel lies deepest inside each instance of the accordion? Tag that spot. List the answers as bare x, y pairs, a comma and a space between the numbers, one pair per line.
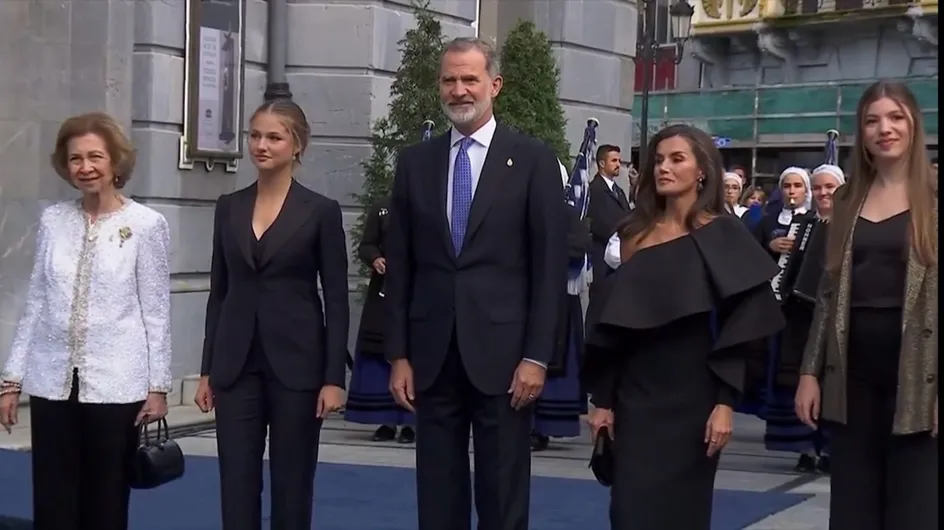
807, 260
783, 263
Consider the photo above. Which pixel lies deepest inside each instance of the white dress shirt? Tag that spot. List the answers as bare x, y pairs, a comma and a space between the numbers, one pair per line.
478, 150
611, 256
608, 181
98, 303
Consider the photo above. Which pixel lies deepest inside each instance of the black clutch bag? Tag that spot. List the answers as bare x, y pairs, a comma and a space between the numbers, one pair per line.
156, 461
601, 461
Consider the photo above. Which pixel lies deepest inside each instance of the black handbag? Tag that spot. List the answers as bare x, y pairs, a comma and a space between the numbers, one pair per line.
601, 460
158, 461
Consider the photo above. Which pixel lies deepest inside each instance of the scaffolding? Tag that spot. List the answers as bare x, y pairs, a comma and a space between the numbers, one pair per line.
787, 117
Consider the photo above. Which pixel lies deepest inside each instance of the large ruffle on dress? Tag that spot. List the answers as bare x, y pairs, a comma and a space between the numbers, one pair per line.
667, 346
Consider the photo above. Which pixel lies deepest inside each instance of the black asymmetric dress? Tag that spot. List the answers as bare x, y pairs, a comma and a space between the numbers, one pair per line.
668, 346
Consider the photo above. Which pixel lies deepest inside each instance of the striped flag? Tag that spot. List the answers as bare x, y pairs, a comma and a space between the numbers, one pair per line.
579, 271
832, 147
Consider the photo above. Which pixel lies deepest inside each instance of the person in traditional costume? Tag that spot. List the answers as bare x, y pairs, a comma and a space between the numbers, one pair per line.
557, 411
825, 180
774, 388
369, 401
732, 194
812, 444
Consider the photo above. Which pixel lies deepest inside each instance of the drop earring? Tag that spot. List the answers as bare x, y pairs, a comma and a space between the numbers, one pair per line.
701, 182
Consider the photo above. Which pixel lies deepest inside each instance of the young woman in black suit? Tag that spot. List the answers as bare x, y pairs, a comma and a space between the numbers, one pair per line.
274, 353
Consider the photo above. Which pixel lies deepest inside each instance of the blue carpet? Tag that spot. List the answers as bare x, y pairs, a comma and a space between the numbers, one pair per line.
353, 497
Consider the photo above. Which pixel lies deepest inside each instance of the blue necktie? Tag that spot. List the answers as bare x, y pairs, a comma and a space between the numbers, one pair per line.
461, 193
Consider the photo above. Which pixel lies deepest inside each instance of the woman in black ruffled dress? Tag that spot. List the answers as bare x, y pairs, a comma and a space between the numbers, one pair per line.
665, 360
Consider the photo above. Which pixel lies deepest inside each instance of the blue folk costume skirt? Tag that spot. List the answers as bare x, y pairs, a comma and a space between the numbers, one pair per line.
770, 397
557, 412
784, 431
369, 401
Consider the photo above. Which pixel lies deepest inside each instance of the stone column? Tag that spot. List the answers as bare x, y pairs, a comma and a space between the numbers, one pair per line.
595, 43
57, 59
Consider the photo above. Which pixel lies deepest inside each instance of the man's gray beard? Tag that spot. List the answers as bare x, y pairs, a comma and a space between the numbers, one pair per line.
458, 118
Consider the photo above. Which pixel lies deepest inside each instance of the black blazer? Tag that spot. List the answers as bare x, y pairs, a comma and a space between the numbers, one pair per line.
305, 343
605, 213
373, 316
501, 295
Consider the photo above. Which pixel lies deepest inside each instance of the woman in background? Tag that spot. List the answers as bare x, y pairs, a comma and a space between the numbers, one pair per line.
275, 347
813, 445
754, 199
558, 409
825, 180
794, 187
665, 356
92, 349
774, 402
870, 367
369, 401
732, 194
754, 196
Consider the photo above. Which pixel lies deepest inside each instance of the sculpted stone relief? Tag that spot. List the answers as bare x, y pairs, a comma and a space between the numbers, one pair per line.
747, 6
712, 8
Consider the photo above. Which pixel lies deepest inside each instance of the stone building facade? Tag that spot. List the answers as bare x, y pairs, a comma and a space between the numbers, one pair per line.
127, 58
768, 78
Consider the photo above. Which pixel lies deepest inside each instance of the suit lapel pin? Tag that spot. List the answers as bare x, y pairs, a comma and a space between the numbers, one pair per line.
510, 162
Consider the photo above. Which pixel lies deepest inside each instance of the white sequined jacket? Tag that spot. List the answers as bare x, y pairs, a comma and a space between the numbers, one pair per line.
99, 303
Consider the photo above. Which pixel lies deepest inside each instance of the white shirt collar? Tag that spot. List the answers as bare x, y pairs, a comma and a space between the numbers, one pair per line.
607, 180
483, 136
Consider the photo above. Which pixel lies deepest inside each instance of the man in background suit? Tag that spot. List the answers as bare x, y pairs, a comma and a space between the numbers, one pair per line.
608, 206
476, 259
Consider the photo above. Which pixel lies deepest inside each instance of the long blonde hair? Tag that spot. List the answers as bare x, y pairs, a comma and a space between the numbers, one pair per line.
922, 186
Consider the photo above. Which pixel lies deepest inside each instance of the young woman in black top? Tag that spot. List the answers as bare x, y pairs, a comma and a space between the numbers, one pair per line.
870, 368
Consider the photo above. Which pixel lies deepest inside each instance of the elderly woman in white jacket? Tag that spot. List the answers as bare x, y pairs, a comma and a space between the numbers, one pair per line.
92, 348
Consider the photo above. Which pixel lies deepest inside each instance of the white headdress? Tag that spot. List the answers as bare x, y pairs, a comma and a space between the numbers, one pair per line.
786, 215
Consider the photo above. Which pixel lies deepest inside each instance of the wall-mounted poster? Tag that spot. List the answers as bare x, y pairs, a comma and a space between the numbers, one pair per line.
215, 79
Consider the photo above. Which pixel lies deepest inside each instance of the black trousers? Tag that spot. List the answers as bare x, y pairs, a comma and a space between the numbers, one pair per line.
255, 404
879, 481
81, 459
501, 439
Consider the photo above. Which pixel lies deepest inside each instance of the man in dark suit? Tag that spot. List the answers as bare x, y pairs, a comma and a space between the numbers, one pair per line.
608, 206
476, 256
